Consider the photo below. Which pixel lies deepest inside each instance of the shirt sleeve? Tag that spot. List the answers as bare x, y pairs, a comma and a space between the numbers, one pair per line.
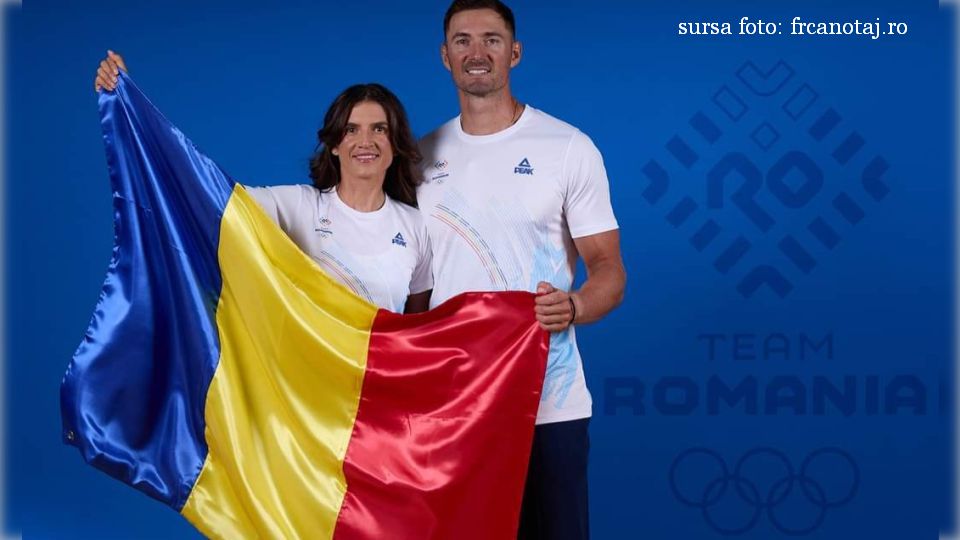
422, 278
265, 197
282, 203
586, 204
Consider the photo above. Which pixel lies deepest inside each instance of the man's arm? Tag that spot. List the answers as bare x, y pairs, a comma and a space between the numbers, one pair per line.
601, 292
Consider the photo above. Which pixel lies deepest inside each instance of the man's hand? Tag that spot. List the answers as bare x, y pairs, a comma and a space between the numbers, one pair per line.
108, 72
553, 307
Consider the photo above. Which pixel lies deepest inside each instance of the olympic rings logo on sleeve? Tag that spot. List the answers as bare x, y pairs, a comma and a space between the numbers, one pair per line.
764, 480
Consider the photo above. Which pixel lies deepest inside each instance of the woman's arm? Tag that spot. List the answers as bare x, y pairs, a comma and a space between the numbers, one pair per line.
417, 303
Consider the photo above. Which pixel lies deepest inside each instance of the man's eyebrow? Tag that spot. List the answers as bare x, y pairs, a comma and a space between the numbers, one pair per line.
485, 34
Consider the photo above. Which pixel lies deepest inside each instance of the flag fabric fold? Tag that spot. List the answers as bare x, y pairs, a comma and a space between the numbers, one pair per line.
224, 374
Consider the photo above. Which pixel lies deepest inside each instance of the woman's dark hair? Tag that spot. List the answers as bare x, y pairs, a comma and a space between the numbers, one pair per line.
403, 175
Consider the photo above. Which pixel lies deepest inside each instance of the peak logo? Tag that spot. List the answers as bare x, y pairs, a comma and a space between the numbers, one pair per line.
398, 240
523, 167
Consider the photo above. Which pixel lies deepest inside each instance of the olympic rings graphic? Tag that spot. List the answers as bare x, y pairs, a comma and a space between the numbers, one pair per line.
761, 493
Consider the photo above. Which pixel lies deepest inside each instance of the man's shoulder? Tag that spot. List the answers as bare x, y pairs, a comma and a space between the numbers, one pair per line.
547, 121
548, 129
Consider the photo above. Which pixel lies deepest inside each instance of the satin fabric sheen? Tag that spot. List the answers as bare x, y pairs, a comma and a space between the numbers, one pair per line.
132, 399
282, 404
445, 423
226, 375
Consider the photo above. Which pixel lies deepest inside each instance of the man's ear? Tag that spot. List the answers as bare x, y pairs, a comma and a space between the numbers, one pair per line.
516, 52
444, 57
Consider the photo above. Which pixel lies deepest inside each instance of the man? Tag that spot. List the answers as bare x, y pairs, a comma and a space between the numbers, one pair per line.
511, 197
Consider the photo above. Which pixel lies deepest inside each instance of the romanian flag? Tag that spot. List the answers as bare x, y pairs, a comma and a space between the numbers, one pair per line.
224, 374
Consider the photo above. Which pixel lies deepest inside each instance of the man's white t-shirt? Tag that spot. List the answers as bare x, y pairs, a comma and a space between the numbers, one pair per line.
383, 256
502, 210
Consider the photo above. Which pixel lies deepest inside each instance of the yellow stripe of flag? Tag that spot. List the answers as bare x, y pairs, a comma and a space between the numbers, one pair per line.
276, 442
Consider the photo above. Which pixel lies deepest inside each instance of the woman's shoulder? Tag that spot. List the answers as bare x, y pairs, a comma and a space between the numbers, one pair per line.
407, 212
285, 191
287, 196
286, 203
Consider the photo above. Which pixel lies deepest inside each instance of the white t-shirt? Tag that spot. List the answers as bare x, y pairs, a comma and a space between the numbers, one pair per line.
383, 256
502, 211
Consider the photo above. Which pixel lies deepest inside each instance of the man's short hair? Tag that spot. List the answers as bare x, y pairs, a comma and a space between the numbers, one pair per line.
466, 5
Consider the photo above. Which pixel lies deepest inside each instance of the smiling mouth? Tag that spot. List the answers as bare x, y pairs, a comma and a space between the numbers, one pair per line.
477, 70
366, 157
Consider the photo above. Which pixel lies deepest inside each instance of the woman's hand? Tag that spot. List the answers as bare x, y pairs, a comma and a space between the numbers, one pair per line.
108, 72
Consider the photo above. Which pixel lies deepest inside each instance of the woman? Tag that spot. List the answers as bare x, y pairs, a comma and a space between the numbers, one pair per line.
358, 220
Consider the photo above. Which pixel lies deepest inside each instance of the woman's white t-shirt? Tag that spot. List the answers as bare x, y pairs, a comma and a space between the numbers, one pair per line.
383, 256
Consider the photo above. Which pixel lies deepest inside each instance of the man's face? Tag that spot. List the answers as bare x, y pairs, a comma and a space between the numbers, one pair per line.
479, 51
365, 151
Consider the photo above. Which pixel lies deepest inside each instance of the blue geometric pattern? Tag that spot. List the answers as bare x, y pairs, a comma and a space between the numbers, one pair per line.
794, 203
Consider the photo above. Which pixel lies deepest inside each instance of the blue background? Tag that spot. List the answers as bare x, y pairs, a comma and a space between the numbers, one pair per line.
249, 84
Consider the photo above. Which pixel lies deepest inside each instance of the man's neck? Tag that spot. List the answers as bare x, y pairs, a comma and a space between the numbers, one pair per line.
488, 114
362, 195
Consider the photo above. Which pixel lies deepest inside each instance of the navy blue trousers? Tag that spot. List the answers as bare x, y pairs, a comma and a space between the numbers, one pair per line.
555, 495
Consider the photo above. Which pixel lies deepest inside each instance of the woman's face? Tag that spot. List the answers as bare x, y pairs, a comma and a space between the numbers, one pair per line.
365, 152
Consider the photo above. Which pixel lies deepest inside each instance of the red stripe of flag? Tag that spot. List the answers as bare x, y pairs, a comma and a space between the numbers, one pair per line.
443, 434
